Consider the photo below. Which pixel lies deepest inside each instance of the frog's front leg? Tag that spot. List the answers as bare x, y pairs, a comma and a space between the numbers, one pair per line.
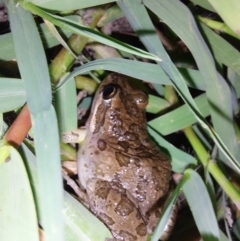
118, 212
76, 136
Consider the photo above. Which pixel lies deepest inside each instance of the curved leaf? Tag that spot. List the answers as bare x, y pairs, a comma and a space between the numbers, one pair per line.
18, 219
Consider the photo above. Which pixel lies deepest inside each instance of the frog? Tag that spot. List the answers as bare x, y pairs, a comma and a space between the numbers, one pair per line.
126, 178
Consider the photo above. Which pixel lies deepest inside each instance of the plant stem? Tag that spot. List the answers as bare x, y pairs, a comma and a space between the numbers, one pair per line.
219, 26
212, 167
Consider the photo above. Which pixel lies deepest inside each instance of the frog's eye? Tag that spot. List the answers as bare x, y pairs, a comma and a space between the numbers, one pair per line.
109, 91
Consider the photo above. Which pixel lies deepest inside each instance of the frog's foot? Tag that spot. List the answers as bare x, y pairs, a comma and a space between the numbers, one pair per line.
76, 136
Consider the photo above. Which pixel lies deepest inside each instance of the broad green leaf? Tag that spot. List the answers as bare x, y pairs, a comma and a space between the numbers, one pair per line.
18, 219
34, 71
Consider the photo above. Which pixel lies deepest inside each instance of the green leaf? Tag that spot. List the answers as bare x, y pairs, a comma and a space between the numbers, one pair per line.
18, 219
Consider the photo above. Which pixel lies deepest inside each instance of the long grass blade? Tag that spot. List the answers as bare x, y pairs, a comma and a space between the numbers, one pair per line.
34, 71
139, 70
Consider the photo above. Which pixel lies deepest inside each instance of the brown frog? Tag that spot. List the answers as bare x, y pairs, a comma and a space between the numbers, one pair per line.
125, 175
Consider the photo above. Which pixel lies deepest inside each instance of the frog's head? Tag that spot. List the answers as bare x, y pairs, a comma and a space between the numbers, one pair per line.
117, 106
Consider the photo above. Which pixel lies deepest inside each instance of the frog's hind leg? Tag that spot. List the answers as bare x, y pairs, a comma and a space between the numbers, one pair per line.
118, 213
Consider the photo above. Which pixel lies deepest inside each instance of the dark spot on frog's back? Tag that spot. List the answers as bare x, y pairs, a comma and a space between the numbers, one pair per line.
129, 105
100, 117
123, 160
136, 161
130, 136
157, 213
138, 130
106, 219
96, 152
102, 145
141, 230
102, 189
124, 207
127, 236
124, 145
